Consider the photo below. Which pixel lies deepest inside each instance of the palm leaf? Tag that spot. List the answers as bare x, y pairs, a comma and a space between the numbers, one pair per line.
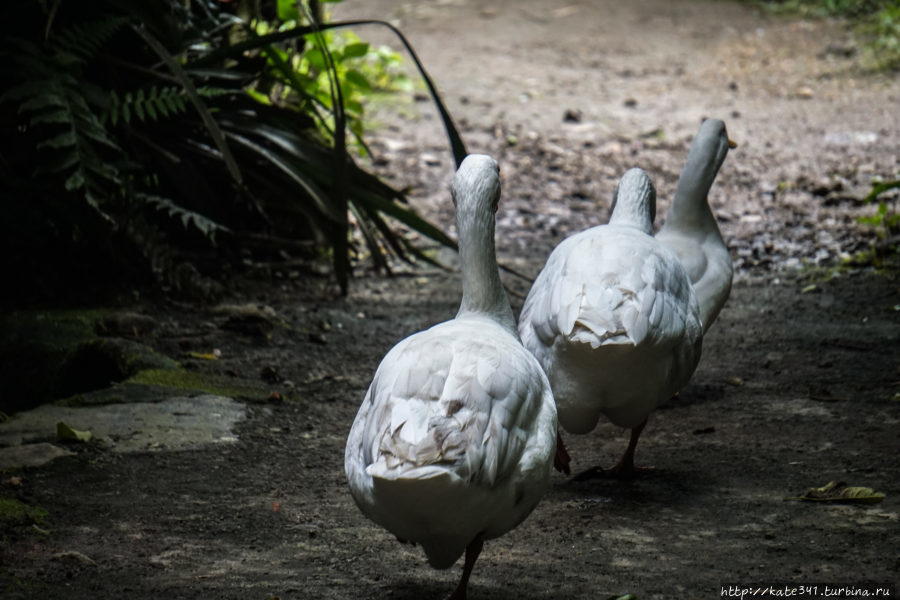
198, 103
456, 143
287, 167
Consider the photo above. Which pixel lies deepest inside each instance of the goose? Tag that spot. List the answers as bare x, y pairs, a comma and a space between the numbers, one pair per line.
690, 229
454, 441
614, 321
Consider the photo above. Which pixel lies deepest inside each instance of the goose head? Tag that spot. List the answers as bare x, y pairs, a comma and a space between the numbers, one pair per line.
634, 202
476, 186
711, 145
708, 152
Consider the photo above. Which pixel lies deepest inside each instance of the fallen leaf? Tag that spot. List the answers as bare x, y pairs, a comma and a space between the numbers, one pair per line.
74, 556
67, 433
841, 492
735, 381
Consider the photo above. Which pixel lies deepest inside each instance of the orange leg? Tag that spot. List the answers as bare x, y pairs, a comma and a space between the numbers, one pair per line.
625, 468
472, 552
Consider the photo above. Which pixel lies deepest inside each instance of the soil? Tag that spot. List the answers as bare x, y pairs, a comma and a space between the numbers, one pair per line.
798, 384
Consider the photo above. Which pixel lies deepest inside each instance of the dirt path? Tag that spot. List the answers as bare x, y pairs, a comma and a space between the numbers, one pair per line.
797, 386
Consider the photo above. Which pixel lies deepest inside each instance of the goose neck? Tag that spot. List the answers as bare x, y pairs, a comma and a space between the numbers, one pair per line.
482, 288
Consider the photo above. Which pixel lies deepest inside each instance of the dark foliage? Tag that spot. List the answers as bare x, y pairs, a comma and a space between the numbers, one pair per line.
133, 153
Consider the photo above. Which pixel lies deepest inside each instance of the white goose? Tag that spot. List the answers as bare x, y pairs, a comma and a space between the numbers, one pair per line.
614, 321
455, 438
690, 229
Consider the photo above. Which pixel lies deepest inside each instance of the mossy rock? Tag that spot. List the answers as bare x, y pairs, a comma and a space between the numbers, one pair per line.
98, 363
184, 381
14, 511
33, 344
45, 355
156, 385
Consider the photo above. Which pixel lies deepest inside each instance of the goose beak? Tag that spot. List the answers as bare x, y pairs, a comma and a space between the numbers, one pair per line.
732, 143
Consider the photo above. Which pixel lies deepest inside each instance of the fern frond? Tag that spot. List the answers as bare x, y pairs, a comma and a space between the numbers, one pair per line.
52, 101
203, 224
167, 101
82, 41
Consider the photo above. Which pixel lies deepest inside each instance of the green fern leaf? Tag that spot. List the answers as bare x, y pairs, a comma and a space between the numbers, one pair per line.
75, 181
161, 107
175, 104
63, 140
151, 110
50, 116
68, 59
49, 99
60, 164
205, 225
83, 40
27, 89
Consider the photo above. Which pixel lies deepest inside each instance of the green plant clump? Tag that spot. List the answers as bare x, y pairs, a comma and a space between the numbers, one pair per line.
188, 136
886, 223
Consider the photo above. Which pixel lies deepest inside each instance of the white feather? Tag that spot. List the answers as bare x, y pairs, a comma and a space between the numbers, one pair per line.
691, 231
456, 435
634, 336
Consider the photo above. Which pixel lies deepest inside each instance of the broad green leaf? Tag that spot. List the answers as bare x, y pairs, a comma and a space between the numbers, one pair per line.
356, 50
358, 79
315, 58
354, 106
287, 10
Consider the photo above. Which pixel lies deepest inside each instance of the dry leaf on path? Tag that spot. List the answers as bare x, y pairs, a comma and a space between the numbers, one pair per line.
841, 492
